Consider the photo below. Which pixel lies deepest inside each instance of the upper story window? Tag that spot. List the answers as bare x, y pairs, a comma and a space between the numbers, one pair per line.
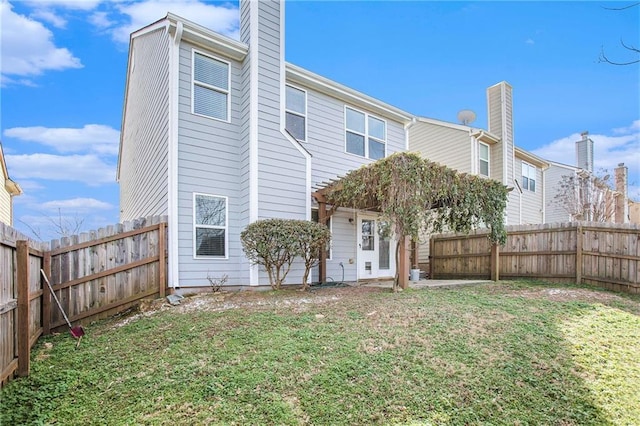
483, 159
528, 177
210, 87
210, 225
365, 135
296, 113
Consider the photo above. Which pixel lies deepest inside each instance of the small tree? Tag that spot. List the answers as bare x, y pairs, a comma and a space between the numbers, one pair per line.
312, 238
587, 197
273, 244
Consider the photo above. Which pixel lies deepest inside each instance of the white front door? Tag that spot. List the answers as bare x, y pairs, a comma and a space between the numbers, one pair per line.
375, 254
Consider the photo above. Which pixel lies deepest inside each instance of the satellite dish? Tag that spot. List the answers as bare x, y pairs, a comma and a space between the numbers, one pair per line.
466, 116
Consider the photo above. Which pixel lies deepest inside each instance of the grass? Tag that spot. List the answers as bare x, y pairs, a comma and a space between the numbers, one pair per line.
508, 353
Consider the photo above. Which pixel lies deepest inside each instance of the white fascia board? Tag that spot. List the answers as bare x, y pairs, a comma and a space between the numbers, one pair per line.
485, 136
324, 85
204, 37
444, 124
564, 166
531, 158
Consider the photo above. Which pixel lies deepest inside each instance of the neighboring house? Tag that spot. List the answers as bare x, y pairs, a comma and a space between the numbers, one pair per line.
489, 153
218, 133
8, 190
592, 198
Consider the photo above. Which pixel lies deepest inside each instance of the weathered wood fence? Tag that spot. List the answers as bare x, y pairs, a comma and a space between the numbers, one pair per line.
607, 255
93, 274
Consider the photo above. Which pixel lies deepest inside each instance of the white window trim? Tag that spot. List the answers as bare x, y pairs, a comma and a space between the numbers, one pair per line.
306, 110
217, 89
225, 227
530, 167
366, 132
488, 160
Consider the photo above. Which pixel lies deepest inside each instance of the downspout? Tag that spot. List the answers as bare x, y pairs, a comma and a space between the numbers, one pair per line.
173, 269
408, 126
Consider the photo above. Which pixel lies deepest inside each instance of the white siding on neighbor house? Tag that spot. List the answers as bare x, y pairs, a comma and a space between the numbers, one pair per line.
442, 144
554, 210
143, 160
532, 202
5, 202
500, 110
208, 163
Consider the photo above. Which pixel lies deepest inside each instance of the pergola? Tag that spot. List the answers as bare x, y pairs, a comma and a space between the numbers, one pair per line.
403, 187
325, 213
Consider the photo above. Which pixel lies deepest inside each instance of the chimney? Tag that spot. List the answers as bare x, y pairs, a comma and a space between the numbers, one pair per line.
622, 200
500, 123
584, 152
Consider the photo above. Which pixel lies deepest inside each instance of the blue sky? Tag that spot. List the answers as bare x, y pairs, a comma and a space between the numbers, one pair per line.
64, 64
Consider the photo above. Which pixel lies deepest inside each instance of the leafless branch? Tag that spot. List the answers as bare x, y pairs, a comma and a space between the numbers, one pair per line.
622, 8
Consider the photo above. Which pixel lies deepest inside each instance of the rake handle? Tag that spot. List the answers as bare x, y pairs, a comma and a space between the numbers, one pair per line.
53, 293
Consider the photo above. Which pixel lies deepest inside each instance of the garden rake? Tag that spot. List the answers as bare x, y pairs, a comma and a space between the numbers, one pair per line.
77, 332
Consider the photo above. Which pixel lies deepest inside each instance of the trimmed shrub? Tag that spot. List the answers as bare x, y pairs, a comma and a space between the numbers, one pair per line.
276, 243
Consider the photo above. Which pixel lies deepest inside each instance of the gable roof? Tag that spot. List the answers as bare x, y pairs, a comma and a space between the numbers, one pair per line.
12, 187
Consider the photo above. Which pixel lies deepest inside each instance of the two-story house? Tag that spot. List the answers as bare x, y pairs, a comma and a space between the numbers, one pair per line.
218, 133
8, 190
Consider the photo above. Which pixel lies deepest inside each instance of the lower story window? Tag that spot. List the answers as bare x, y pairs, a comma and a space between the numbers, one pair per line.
210, 225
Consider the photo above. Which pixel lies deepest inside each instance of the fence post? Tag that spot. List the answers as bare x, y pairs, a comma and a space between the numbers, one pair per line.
431, 268
579, 244
162, 275
22, 275
495, 262
403, 264
46, 295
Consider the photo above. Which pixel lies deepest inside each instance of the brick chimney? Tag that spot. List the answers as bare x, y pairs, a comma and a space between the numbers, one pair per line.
584, 152
622, 200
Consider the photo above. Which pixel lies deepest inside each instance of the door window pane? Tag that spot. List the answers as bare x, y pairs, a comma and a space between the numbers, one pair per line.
368, 235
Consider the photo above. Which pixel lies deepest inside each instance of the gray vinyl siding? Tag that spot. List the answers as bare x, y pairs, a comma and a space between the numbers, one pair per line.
441, 144
143, 160
554, 210
282, 185
532, 202
326, 137
209, 163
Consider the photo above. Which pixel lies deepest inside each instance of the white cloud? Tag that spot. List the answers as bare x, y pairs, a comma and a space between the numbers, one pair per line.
79, 205
90, 138
28, 48
50, 17
66, 4
222, 19
100, 20
608, 151
88, 169
530, 41
29, 186
634, 127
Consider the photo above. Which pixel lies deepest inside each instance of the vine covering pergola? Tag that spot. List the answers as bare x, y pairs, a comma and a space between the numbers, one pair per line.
415, 196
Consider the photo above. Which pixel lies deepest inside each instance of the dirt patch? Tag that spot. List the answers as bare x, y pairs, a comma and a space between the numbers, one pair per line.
293, 301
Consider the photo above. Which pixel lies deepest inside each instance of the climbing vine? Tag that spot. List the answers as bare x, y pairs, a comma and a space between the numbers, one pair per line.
415, 196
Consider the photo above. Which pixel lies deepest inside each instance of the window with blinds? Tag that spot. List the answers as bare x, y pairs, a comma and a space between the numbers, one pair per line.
210, 225
210, 87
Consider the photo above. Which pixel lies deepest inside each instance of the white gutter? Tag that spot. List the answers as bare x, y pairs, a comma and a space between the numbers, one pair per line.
172, 178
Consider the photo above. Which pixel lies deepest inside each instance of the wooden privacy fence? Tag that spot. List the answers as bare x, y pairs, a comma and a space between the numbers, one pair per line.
93, 275
603, 254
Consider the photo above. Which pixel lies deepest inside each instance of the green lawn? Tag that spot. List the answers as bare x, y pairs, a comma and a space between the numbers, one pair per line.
509, 353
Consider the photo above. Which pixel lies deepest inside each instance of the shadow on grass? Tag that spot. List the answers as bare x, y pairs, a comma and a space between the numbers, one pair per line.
465, 356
